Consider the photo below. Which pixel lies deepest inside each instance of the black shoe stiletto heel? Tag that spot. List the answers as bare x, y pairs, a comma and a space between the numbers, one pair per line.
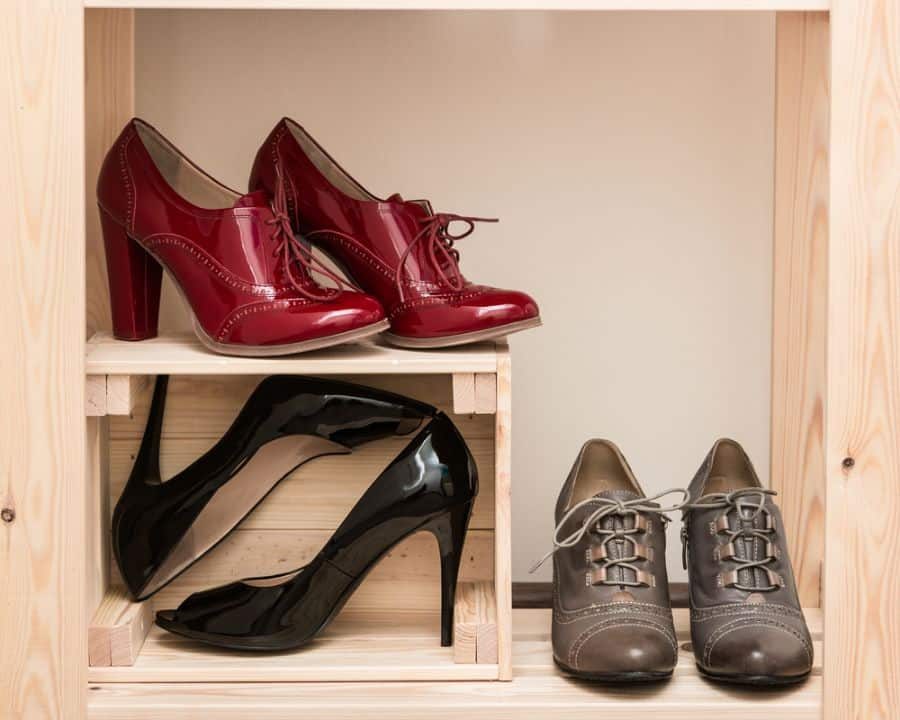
159, 529
429, 486
450, 531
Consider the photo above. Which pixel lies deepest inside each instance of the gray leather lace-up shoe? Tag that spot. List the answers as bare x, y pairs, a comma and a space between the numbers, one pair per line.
612, 619
746, 622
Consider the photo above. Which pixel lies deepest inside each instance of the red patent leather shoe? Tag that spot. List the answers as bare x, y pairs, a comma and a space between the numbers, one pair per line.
399, 251
233, 257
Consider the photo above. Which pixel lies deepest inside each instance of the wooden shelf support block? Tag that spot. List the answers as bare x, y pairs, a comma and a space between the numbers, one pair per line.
114, 394
95, 396
475, 624
123, 392
118, 630
463, 393
474, 393
486, 393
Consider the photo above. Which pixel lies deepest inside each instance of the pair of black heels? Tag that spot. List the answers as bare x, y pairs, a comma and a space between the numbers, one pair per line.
160, 529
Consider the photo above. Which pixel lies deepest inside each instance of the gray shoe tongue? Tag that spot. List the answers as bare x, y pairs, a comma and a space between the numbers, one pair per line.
618, 495
589, 508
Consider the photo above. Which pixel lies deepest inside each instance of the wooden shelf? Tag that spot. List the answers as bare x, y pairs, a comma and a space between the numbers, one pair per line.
537, 690
467, 4
184, 355
359, 646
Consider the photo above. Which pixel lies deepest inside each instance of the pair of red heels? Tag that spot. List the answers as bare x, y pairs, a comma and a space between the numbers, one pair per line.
245, 266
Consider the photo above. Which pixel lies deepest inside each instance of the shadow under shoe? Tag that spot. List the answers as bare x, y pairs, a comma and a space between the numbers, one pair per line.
159, 529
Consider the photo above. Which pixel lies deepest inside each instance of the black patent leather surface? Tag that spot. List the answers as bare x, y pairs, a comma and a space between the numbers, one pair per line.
433, 480
152, 516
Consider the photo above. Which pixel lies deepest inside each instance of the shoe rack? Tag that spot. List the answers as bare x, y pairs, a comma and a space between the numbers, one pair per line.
74, 648
390, 630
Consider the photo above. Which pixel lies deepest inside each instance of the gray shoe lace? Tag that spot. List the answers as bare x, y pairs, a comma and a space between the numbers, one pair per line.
611, 507
738, 504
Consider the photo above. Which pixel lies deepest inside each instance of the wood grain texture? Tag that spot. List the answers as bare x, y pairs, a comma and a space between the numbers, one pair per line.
503, 511
42, 441
118, 629
537, 692
124, 392
800, 277
475, 623
109, 104
471, 4
181, 354
316, 496
486, 393
463, 393
98, 514
95, 396
862, 580
486, 647
204, 406
406, 579
356, 647
465, 623
320, 493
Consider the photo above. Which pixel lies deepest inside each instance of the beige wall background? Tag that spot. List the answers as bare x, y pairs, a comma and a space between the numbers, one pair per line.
638, 213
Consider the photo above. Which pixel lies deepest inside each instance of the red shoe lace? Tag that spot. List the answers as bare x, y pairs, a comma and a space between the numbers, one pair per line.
293, 250
439, 241
435, 231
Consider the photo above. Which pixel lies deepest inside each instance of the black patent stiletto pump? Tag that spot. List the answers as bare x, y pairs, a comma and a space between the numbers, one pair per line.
429, 486
159, 529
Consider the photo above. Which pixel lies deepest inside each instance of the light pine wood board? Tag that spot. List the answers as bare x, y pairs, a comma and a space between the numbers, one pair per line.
525, 698
117, 630
206, 405
319, 494
124, 392
800, 288
408, 577
42, 432
97, 548
355, 647
471, 4
862, 531
503, 511
538, 690
182, 354
95, 396
475, 623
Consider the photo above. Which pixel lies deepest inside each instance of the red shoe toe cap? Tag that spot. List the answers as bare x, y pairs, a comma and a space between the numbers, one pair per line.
473, 309
299, 320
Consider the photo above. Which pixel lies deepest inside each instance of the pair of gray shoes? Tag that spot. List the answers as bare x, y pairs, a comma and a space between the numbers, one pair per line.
612, 617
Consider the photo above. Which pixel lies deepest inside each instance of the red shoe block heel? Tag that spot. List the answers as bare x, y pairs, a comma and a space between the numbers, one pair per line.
135, 279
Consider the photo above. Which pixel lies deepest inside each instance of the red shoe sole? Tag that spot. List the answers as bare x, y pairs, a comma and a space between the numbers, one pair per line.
413, 343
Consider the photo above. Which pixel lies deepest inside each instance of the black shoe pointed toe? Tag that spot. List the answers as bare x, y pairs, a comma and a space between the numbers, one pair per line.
161, 528
430, 486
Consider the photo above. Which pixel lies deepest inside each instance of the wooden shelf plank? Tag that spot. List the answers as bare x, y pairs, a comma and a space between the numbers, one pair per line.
778, 5
537, 691
523, 699
366, 646
184, 355
118, 629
